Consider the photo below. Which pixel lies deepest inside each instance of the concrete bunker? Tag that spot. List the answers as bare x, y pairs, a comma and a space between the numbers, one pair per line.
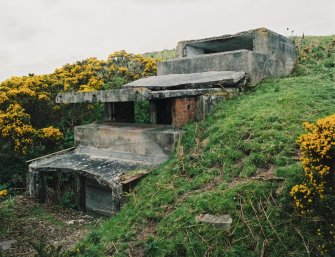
111, 157
259, 52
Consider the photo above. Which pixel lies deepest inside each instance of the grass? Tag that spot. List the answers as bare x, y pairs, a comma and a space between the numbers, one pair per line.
215, 169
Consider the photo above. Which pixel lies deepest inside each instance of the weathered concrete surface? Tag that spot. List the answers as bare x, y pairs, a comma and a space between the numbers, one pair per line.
187, 81
205, 104
7, 244
147, 143
222, 221
104, 96
240, 60
194, 92
105, 153
260, 53
105, 171
160, 87
152, 95
100, 190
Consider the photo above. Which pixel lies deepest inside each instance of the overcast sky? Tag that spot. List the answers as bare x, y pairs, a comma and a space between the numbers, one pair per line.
37, 36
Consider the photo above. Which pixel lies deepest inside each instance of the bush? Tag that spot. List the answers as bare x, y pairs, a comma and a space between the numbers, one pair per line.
316, 195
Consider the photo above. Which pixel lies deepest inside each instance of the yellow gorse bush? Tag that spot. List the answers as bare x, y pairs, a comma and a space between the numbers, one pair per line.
317, 194
51, 132
15, 128
3, 193
28, 114
317, 148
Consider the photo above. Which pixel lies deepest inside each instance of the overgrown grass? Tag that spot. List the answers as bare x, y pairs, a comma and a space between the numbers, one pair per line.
212, 172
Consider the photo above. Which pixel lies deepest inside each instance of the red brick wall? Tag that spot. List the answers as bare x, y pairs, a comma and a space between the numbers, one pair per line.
183, 110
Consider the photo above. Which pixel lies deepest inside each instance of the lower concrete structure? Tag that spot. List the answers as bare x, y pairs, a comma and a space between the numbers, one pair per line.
108, 160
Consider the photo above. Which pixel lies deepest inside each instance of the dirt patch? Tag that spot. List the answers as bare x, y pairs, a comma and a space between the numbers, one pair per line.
28, 222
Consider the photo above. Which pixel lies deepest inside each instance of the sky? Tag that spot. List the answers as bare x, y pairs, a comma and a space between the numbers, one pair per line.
38, 36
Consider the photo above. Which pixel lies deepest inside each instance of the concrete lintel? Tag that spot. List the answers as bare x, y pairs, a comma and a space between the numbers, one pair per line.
104, 96
192, 92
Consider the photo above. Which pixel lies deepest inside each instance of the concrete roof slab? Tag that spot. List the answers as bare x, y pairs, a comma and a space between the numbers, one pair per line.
208, 79
106, 171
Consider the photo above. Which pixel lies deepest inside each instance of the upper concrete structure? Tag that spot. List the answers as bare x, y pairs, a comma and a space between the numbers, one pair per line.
259, 52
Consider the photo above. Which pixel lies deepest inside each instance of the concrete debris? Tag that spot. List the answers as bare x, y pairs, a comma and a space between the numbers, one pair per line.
6, 245
222, 221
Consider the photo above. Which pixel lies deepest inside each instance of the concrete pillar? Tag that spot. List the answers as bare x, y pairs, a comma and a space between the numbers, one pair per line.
40, 188
153, 112
108, 111
80, 192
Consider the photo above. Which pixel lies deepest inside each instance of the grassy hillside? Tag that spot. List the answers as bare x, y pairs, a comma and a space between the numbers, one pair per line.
228, 164
161, 55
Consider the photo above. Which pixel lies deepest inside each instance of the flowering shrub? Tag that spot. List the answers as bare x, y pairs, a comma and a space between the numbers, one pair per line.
29, 117
15, 128
3, 193
51, 132
317, 194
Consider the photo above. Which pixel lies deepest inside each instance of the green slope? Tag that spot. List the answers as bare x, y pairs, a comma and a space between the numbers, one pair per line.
217, 168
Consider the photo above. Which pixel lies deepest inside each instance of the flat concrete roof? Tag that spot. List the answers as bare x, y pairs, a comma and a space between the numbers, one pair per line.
208, 79
105, 171
160, 87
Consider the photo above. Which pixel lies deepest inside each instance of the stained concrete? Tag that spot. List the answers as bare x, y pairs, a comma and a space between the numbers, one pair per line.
146, 143
222, 221
104, 153
104, 170
104, 96
188, 81
161, 87
260, 53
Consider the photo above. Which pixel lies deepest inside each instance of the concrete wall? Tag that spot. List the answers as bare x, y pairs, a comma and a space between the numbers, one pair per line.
281, 52
146, 143
254, 64
100, 199
269, 55
205, 104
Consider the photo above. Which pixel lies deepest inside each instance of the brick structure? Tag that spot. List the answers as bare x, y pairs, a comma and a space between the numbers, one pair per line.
183, 111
